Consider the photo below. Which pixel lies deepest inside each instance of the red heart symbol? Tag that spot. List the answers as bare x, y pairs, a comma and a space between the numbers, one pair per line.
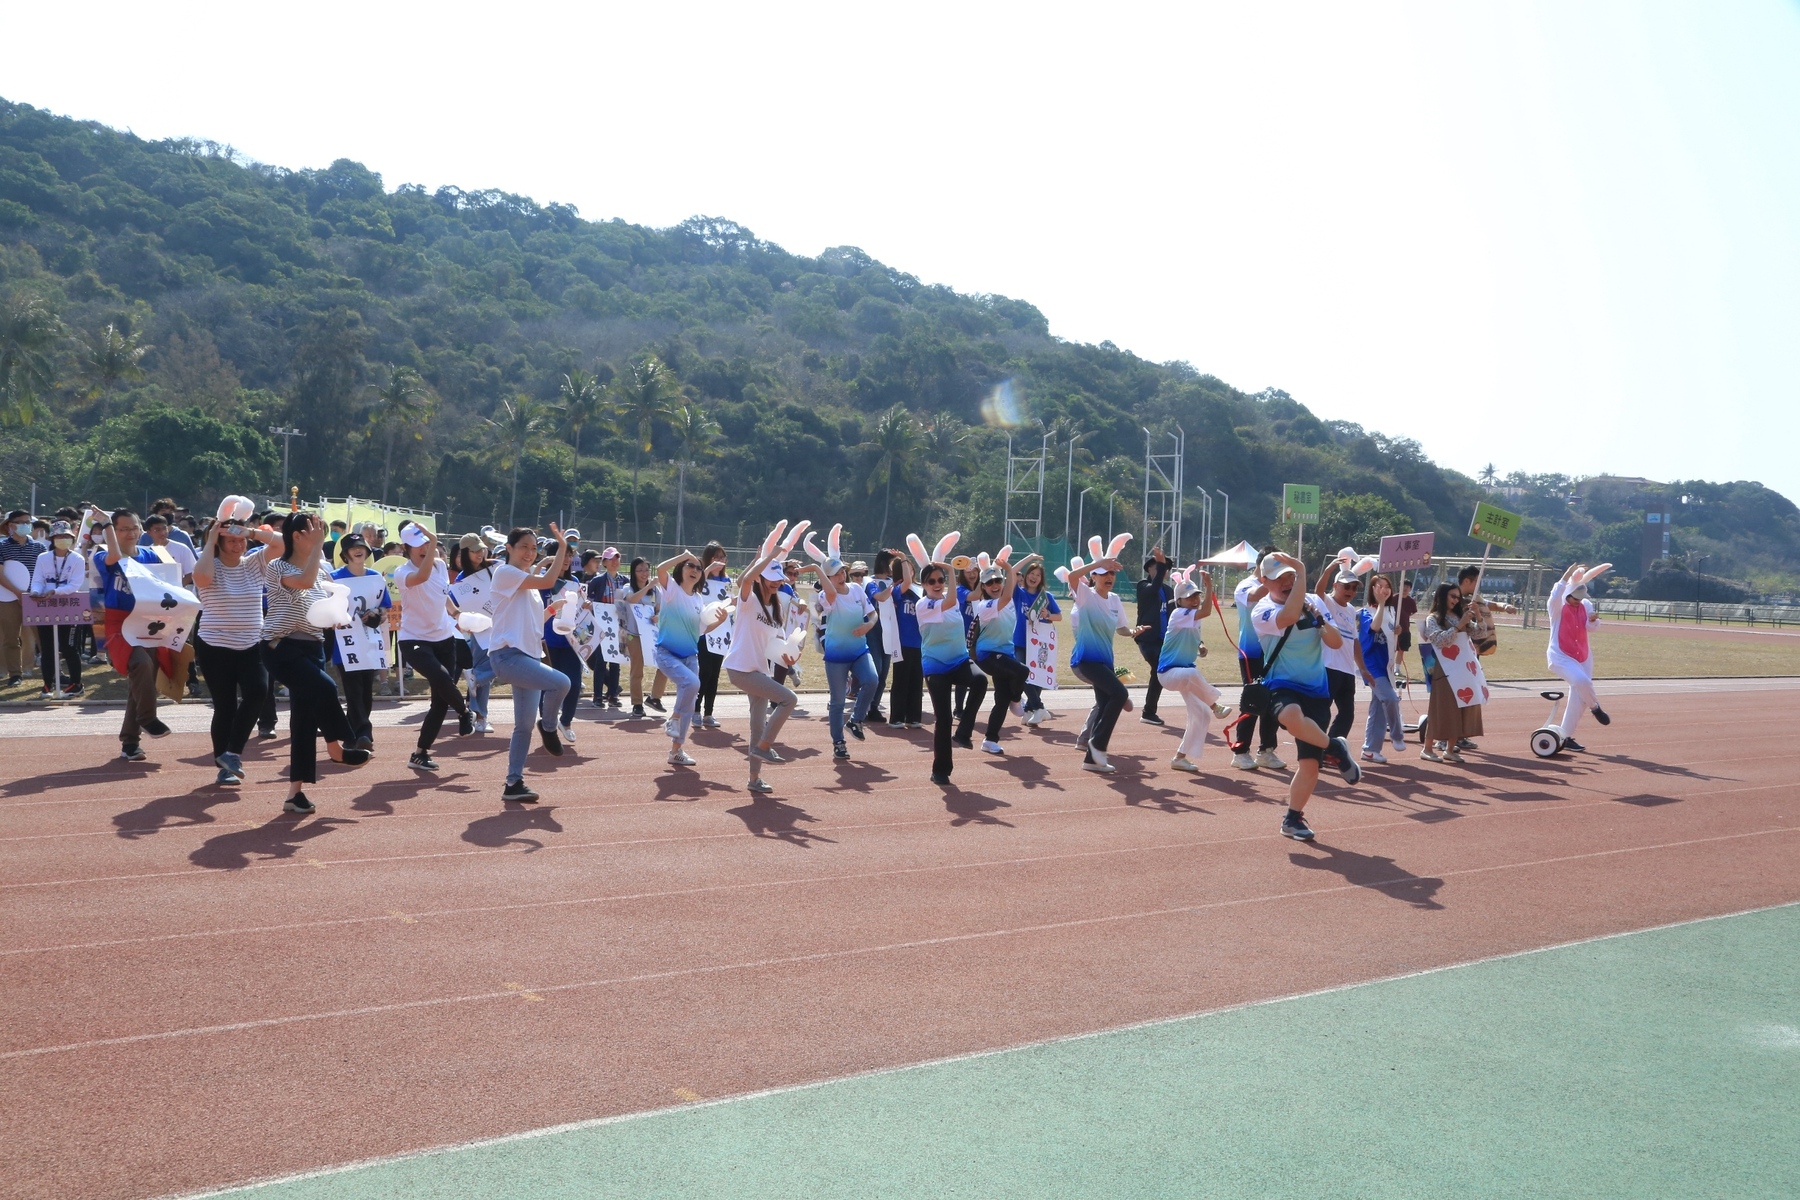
1485, 693
1465, 694
1472, 667
1450, 652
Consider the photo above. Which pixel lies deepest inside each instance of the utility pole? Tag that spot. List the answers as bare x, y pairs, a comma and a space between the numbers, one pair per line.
287, 437
1069, 488
1225, 534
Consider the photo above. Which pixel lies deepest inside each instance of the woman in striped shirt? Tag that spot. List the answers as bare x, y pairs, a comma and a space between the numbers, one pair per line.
296, 657
228, 577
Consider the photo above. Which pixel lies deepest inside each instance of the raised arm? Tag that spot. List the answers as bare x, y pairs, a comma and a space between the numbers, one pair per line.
311, 544
663, 568
203, 565
551, 575
416, 573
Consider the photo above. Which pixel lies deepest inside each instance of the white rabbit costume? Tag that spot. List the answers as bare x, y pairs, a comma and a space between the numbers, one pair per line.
1571, 615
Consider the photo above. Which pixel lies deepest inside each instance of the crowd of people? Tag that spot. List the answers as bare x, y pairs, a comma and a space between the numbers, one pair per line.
289, 602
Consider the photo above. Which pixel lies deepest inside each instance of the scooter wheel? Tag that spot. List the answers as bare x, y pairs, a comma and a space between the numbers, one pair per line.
1545, 742
1424, 730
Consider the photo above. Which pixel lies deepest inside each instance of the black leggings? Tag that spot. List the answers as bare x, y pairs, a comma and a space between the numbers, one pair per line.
1343, 699
238, 681
65, 636
1009, 675
943, 689
906, 700
359, 702
313, 708
436, 661
1152, 652
1109, 701
709, 680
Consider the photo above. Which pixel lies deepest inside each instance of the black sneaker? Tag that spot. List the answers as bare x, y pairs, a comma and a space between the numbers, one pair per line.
856, 730
156, 728
1151, 719
299, 804
364, 743
516, 790
1338, 755
656, 704
1294, 826
354, 757
1600, 715
266, 734
637, 710
1572, 744
874, 717
965, 743
940, 780
552, 743
131, 752
839, 750
1466, 744
421, 760
465, 722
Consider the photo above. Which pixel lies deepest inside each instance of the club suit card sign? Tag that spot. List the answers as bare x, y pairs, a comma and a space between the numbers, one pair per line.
718, 641
162, 614
360, 647
606, 626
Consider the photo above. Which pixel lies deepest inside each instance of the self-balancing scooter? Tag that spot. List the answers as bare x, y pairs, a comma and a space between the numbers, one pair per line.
1547, 740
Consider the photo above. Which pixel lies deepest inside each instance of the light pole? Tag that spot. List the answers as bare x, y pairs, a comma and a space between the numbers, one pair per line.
1069, 488
1225, 532
1110, 501
1696, 569
287, 437
1081, 516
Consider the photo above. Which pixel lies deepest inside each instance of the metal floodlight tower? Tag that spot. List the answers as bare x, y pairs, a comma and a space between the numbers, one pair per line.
1025, 480
1162, 493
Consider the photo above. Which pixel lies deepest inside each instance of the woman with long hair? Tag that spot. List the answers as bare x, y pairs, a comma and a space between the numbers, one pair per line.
229, 579
680, 632
906, 695
294, 649
757, 636
714, 586
1376, 625
473, 580
428, 638
1033, 602
516, 650
640, 591
1447, 721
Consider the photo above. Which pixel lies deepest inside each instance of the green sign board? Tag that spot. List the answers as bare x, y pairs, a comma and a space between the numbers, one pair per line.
1299, 504
1495, 526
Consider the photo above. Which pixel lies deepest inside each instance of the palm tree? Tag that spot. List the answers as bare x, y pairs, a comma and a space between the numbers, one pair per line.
897, 441
29, 332
583, 403
107, 359
944, 436
520, 423
695, 433
1488, 475
644, 398
405, 401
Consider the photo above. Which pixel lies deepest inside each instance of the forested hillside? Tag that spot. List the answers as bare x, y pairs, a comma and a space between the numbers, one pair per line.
165, 303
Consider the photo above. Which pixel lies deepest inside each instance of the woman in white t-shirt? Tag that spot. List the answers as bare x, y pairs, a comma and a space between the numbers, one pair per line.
756, 635
428, 638
516, 650
229, 578
681, 630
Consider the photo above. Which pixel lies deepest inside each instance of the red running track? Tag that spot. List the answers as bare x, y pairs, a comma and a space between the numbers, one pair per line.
200, 991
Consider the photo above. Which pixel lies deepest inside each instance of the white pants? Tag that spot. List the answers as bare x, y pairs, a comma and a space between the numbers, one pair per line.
1199, 696
1580, 678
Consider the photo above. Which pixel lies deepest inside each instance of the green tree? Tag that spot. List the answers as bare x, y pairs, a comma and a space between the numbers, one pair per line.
1488, 475
400, 404
29, 333
519, 425
897, 441
645, 396
108, 358
583, 404
695, 436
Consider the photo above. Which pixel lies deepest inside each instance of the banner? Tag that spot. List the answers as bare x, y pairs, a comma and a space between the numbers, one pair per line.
162, 616
718, 641
359, 647
643, 622
1495, 526
1405, 552
1299, 503
606, 627
1040, 653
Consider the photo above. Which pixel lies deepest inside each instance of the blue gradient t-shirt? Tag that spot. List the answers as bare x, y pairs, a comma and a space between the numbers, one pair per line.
1301, 667
999, 620
843, 617
1097, 619
906, 616
943, 644
678, 624
1181, 639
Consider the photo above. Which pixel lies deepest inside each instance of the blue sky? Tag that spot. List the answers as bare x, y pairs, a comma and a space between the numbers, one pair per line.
1556, 237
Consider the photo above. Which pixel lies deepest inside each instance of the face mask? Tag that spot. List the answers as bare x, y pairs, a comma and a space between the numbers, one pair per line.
22, 530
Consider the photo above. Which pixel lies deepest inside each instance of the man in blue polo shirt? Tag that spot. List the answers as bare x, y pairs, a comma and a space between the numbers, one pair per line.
1299, 690
137, 663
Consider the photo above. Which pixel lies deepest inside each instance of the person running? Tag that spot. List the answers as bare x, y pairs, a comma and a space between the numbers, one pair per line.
1572, 614
229, 578
359, 686
906, 691
715, 588
1099, 617
680, 631
996, 629
294, 649
1246, 596
428, 638
1152, 610
1343, 662
640, 593
846, 616
516, 651
760, 625
138, 664
1178, 665
1294, 633
1446, 631
944, 657
1033, 602
59, 571
1376, 632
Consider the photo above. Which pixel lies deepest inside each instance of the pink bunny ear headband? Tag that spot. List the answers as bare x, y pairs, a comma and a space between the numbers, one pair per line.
831, 562
939, 554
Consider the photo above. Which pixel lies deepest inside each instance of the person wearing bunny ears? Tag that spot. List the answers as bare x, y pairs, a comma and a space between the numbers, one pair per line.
759, 634
229, 578
295, 652
681, 629
1295, 632
1099, 617
428, 638
1178, 664
996, 622
846, 616
1572, 614
944, 655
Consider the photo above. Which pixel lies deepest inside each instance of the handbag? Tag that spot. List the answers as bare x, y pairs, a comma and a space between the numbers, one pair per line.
1256, 700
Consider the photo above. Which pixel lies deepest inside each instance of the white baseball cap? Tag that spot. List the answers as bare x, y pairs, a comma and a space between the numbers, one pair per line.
1272, 568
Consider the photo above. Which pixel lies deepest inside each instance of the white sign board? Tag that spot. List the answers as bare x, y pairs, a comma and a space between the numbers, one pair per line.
359, 647
162, 614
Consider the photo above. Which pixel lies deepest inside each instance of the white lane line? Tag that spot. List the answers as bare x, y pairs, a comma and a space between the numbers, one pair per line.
862, 951
947, 1060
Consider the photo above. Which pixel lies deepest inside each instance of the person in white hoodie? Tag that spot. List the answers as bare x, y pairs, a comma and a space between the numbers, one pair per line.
1572, 614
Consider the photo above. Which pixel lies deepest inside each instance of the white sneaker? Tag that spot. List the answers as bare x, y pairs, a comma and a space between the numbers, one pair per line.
1374, 756
680, 758
669, 727
760, 785
1268, 762
1098, 764
1243, 762
482, 726
709, 722
567, 734
1182, 762
1221, 710
992, 747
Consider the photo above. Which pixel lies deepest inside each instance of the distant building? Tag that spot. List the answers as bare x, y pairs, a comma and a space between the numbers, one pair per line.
1655, 544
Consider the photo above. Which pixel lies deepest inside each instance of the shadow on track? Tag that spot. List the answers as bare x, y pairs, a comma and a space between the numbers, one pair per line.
281, 838
778, 821
1376, 872
507, 828
172, 812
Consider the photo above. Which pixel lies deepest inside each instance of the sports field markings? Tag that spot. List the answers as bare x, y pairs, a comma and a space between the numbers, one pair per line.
928, 1064
513, 990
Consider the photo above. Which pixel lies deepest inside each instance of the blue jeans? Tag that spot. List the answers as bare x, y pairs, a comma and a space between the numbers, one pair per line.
538, 692
1384, 716
686, 674
837, 675
564, 659
481, 678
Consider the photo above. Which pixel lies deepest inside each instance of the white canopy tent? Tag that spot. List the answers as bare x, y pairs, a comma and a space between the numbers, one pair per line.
1241, 555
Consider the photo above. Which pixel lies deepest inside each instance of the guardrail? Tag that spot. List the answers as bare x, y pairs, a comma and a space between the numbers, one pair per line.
1701, 613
